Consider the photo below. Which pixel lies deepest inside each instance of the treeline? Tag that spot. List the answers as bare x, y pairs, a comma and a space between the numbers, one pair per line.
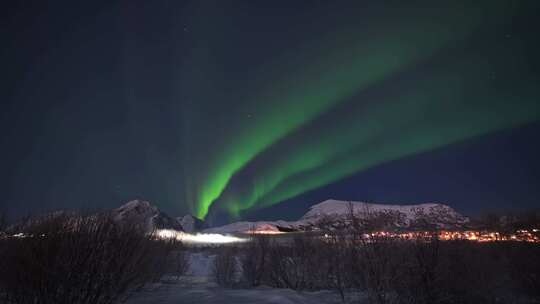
386, 269
82, 259
507, 222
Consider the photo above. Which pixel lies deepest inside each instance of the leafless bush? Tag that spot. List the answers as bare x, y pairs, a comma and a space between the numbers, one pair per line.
178, 262
390, 270
373, 260
349, 255
507, 223
225, 266
293, 266
78, 259
525, 269
418, 276
378, 268
335, 261
254, 260
474, 273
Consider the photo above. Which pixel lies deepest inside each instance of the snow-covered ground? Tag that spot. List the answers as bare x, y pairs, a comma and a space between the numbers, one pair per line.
198, 286
205, 293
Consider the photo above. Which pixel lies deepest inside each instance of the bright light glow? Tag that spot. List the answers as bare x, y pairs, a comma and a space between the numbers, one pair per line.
198, 238
263, 232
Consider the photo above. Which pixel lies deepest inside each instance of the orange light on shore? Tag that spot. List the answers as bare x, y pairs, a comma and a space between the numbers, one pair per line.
468, 235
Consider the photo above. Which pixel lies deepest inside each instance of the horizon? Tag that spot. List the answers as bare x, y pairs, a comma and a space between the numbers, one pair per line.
487, 212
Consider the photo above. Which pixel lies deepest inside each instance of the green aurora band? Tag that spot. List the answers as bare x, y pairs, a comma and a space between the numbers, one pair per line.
329, 77
439, 112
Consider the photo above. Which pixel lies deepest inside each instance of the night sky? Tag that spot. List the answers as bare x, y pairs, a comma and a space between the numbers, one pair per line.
260, 109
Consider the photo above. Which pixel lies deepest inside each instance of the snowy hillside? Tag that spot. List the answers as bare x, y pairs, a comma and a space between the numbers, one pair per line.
250, 227
199, 286
435, 213
142, 214
190, 223
332, 214
334, 211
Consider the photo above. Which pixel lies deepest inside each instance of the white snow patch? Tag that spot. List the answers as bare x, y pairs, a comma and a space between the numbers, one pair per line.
199, 287
248, 227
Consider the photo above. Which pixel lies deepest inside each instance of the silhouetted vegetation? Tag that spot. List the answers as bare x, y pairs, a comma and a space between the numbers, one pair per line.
67, 258
225, 266
391, 270
81, 259
508, 222
254, 259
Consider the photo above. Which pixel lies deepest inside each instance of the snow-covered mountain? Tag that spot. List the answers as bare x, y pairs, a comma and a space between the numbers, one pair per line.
404, 215
29, 223
141, 214
190, 223
254, 227
334, 214
136, 214
330, 214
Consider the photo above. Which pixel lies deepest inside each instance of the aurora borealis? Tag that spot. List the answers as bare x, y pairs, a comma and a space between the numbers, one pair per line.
343, 69
347, 69
224, 109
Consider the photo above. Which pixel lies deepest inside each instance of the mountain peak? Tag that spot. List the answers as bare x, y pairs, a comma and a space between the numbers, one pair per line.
144, 214
338, 207
190, 223
337, 211
135, 207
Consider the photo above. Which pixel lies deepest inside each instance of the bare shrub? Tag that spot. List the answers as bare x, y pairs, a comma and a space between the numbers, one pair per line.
350, 254
78, 259
418, 277
334, 261
291, 266
473, 273
524, 261
419, 271
379, 266
372, 259
225, 266
254, 260
178, 262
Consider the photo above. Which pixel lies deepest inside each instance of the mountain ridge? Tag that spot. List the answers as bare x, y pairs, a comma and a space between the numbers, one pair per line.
329, 214
336, 212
